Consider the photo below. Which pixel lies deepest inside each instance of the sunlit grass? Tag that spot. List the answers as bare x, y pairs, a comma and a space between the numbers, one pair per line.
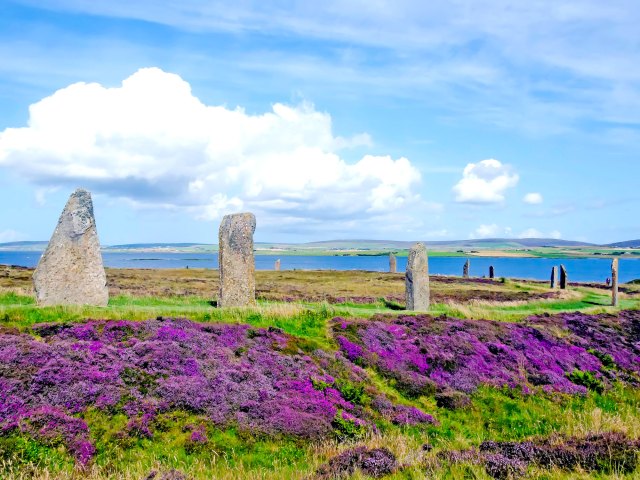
494, 414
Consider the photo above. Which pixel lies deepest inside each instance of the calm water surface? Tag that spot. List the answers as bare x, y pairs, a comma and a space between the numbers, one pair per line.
579, 270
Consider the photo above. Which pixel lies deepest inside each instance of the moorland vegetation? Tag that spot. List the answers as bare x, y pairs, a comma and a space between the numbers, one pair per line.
326, 377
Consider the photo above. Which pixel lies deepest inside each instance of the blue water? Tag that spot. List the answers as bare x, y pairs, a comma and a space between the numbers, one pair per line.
579, 270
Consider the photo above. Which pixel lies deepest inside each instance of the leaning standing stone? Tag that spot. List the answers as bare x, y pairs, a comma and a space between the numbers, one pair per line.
417, 278
465, 269
554, 277
492, 272
393, 263
276, 266
564, 281
614, 282
235, 256
70, 272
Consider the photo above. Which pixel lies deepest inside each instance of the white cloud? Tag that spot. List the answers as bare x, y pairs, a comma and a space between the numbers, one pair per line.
495, 231
41, 194
151, 142
533, 198
531, 233
443, 232
486, 231
535, 233
485, 182
425, 51
10, 236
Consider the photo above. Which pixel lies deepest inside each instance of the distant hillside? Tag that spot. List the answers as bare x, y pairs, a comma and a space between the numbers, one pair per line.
515, 243
24, 246
361, 244
489, 243
344, 246
627, 244
160, 247
152, 245
136, 246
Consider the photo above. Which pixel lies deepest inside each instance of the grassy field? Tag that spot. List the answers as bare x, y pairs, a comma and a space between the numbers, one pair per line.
304, 306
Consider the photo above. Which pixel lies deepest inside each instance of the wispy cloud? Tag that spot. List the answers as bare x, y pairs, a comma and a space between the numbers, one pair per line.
11, 236
533, 198
541, 67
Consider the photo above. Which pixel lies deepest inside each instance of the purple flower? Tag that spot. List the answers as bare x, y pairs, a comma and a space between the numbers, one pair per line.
452, 354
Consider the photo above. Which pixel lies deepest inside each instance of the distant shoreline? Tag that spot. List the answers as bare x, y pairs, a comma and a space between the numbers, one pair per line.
544, 252
488, 247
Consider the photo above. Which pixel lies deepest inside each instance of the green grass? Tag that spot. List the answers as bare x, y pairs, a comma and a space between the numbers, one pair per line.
493, 414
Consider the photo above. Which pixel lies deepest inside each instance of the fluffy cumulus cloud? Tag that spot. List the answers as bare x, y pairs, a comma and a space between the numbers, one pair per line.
533, 198
152, 142
485, 182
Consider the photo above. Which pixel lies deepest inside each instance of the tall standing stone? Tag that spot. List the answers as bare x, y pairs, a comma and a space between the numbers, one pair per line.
554, 277
465, 269
276, 266
564, 280
235, 257
417, 278
70, 272
614, 282
393, 263
492, 272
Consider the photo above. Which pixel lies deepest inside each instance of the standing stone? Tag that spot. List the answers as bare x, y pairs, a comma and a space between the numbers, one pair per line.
564, 281
393, 263
417, 278
235, 257
492, 272
554, 277
70, 272
465, 269
614, 282
276, 267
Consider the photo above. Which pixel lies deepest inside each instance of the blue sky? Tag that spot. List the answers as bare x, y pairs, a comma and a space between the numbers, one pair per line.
400, 119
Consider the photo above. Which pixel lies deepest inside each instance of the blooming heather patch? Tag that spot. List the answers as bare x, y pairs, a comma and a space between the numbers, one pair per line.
422, 354
615, 339
257, 380
376, 463
601, 452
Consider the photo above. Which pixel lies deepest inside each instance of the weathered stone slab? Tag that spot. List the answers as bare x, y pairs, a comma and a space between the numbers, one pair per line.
564, 279
70, 272
417, 278
237, 265
614, 282
465, 269
492, 272
276, 266
393, 263
554, 277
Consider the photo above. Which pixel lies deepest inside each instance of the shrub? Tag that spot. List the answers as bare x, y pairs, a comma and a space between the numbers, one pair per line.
587, 379
375, 463
421, 354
